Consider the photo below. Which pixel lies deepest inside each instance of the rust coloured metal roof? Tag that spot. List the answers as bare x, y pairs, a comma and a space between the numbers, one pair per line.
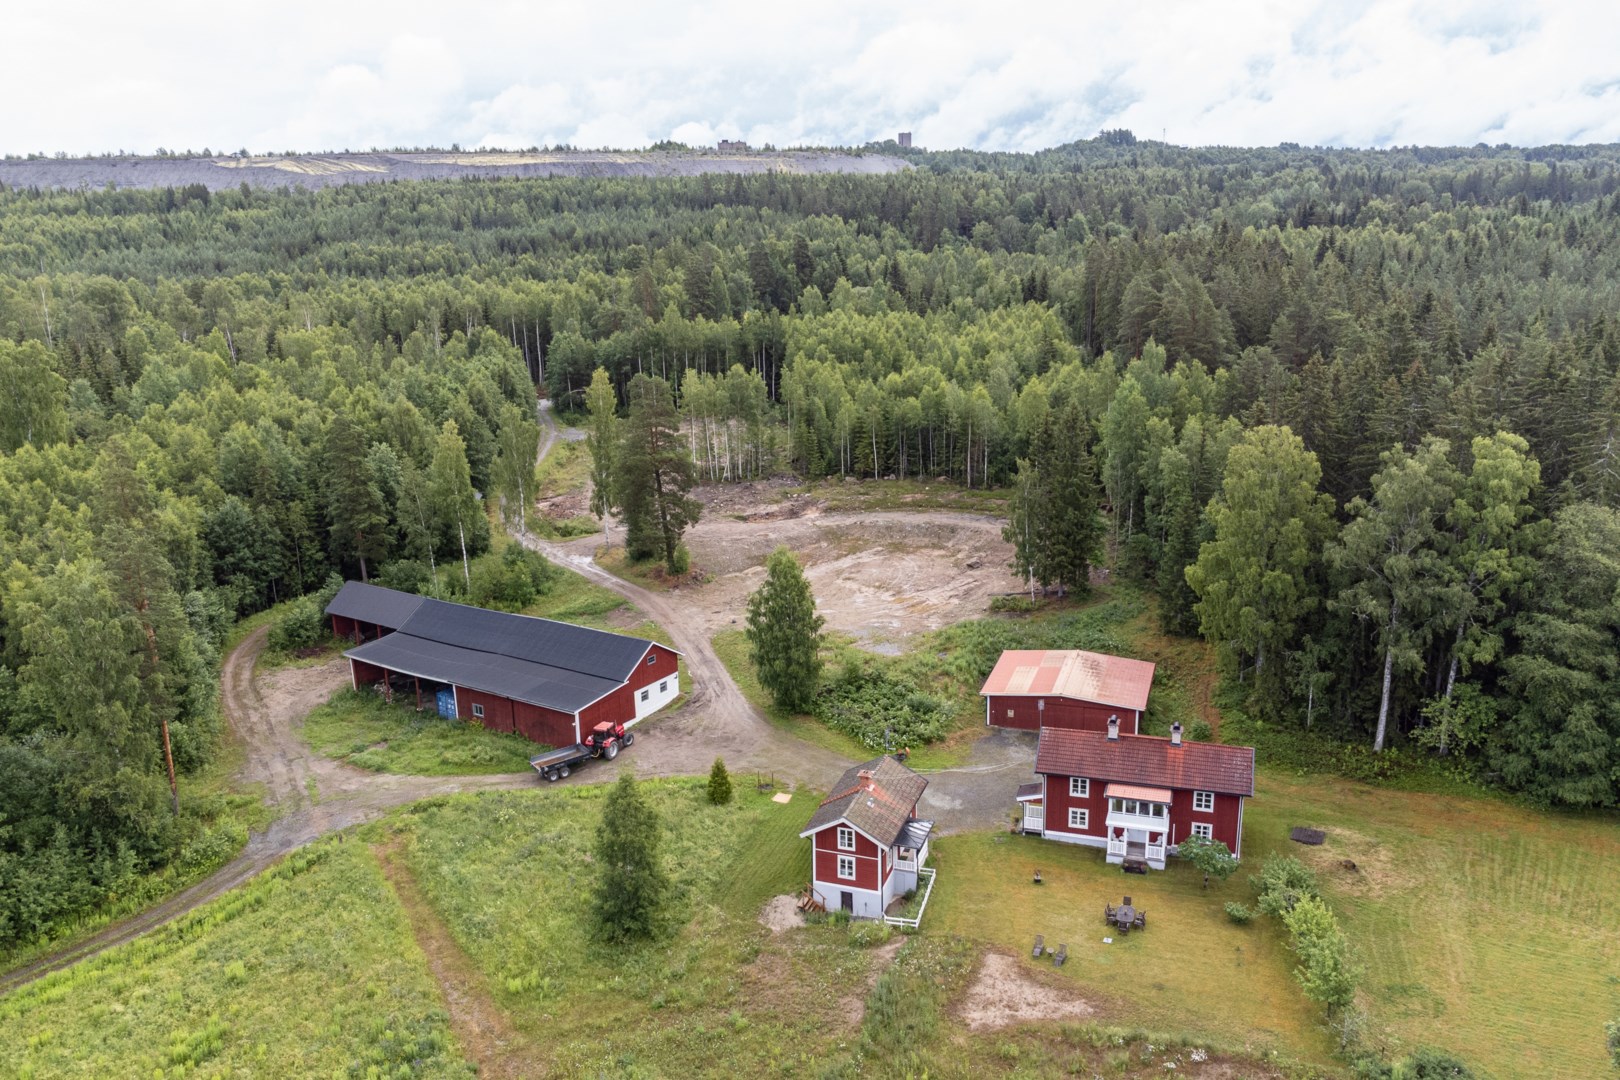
1072, 673
1147, 760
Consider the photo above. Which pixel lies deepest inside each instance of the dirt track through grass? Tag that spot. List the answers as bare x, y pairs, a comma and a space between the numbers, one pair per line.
481, 1027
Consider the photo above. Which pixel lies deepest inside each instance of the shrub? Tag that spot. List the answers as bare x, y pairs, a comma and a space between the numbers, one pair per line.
1428, 1064
1018, 604
406, 575
1238, 913
511, 581
719, 784
681, 564
867, 934
1612, 1030
1283, 882
303, 625
1200, 731
1324, 968
879, 710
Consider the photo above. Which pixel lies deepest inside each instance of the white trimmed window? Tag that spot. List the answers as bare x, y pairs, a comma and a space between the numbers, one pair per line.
846, 867
663, 687
1204, 801
652, 658
1079, 787
1078, 818
478, 711
1010, 714
644, 694
846, 839
1204, 829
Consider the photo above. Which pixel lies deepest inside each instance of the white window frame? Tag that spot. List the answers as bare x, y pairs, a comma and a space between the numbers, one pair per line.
846, 867
1204, 802
478, 710
1204, 829
1011, 713
846, 838
1079, 818
644, 694
652, 658
1079, 787
663, 687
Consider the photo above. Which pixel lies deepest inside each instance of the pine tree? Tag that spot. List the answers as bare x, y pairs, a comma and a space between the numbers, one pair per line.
354, 505
719, 784
631, 885
784, 633
655, 474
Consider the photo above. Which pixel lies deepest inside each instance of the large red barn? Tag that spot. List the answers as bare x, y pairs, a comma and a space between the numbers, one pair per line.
549, 681
1031, 689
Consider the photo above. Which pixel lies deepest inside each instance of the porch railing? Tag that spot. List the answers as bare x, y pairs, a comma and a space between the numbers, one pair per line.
928, 890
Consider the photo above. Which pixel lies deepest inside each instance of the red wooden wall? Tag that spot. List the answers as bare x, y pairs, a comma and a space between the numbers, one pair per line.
1025, 714
868, 874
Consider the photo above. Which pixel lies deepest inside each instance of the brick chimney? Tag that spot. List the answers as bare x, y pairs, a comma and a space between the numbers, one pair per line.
1113, 727
1175, 733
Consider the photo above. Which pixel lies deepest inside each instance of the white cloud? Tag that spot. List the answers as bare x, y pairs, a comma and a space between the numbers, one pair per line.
311, 75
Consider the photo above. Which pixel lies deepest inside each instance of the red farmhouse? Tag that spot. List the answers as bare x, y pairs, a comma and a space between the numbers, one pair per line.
1052, 688
1138, 796
546, 680
868, 844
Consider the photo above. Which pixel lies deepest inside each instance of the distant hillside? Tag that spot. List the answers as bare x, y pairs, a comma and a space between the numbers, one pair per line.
328, 170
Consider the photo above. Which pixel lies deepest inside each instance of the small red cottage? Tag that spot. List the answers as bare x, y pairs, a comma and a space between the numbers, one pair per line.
869, 846
1055, 688
546, 680
1138, 796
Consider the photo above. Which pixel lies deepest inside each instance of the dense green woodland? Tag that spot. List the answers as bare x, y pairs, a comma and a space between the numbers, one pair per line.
1354, 416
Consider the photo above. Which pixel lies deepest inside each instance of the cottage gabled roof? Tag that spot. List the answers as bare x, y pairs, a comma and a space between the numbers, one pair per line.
875, 797
1148, 760
541, 661
374, 604
1072, 673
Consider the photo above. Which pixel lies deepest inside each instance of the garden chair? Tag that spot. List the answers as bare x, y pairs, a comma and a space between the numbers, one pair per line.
1040, 944
1061, 955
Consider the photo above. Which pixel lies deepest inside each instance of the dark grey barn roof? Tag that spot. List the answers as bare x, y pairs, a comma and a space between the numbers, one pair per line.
522, 680
523, 637
540, 661
374, 604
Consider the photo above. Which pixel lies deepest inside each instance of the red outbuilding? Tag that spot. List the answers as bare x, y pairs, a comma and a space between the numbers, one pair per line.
546, 680
869, 847
1137, 796
1031, 689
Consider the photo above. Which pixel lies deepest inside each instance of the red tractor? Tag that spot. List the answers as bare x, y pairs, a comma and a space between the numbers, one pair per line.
607, 739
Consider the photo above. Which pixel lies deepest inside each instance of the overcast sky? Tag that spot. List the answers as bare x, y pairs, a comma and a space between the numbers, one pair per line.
94, 75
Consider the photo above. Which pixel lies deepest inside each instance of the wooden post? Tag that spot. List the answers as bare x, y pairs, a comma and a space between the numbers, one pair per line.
418, 683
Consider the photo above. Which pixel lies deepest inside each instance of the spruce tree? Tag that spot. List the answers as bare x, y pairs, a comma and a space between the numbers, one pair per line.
354, 505
719, 783
630, 881
784, 633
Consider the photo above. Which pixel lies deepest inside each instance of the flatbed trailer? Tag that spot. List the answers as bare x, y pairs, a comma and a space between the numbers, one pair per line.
605, 740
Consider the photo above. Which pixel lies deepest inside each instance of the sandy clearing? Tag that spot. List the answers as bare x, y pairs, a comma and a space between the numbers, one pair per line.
782, 913
1004, 993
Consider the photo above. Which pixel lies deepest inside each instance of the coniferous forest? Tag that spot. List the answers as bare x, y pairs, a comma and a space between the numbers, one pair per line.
1354, 416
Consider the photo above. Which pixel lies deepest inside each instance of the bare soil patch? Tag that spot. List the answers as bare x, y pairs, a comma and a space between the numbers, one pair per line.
487, 1038
1355, 863
1004, 993
782, 913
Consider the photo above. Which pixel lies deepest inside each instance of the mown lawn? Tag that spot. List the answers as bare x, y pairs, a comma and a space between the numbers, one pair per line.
360, 728
309, 970
1486, 929
1191, 971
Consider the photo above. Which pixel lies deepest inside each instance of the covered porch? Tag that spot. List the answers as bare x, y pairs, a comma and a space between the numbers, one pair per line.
1138, 825
1031, 817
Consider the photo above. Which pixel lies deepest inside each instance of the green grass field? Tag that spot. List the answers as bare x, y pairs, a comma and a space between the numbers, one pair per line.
1469, 915
1192, 971
360, 728
310, 970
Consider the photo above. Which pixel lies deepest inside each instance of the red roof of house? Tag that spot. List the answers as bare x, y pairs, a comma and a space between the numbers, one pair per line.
1072, 673
1146, 759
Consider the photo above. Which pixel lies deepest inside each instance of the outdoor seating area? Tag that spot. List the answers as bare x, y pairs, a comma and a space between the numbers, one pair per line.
1058, 955
1126, 917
